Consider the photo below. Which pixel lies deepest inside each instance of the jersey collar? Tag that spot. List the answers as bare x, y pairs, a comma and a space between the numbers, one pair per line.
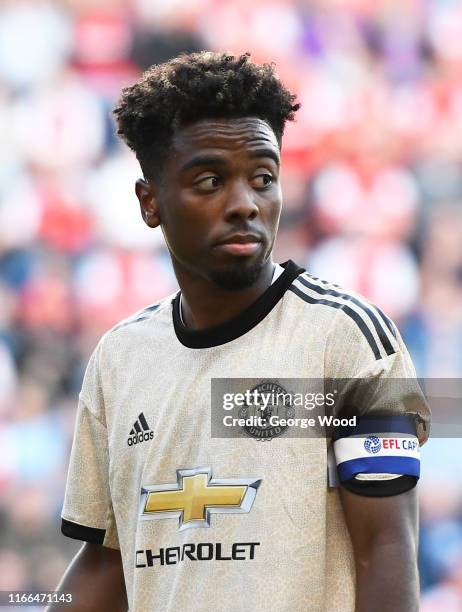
244, 322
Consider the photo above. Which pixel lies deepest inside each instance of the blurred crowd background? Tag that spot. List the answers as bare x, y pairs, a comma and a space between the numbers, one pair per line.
372, 179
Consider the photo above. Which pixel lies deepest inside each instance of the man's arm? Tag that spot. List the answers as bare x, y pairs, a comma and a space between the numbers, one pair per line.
96, 581
384, 532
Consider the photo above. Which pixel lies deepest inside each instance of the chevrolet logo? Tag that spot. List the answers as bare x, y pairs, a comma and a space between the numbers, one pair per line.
196, 496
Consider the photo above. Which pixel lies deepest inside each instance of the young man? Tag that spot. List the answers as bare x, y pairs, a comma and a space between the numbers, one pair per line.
172, 517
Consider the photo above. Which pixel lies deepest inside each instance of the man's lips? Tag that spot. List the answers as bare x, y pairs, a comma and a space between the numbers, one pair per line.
239, 248
240, 244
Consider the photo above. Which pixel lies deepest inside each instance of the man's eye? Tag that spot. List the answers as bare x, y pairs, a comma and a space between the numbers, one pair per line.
262, 180
208, 183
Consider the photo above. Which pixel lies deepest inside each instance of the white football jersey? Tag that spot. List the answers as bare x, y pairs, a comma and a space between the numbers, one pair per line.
206, 523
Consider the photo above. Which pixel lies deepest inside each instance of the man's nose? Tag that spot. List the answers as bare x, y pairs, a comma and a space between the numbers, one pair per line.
240, 202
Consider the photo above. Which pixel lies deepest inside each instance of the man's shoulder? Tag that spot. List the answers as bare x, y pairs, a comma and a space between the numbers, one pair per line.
148, 313
347, 315
121, 348
316, 291
145, 321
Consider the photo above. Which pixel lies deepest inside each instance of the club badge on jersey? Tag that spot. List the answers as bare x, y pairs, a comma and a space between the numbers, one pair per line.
379, 457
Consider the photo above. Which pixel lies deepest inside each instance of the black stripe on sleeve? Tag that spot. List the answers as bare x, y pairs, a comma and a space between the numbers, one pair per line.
387, 322
382, 334
143, 422
348, 311
82, 532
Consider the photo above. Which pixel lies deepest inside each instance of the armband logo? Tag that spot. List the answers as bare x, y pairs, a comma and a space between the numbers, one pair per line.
372, 445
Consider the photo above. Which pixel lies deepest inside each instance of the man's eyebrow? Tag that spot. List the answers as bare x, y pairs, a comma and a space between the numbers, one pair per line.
213, 160
266, 152
202, 160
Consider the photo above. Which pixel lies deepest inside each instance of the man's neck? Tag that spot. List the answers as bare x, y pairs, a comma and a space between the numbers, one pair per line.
205, 305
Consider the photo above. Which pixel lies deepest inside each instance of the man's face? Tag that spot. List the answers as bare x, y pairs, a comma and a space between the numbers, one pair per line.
219, 199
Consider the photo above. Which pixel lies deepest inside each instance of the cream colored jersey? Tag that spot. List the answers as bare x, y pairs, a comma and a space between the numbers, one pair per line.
221, 524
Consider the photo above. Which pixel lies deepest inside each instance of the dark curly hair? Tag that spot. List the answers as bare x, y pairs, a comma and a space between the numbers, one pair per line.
198, 86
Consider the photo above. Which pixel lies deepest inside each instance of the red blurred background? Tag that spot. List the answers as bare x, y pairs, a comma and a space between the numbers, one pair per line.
373, 201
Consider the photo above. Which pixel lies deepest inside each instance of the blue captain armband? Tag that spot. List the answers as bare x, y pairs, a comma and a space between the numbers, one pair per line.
379, 457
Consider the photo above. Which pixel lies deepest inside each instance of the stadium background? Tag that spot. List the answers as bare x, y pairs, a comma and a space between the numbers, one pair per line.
373, 200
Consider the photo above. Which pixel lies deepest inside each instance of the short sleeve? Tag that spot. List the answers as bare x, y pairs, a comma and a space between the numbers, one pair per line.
87, 512
376, 373
385, 416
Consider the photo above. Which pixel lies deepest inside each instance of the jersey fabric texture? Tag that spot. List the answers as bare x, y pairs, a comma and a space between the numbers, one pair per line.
142, 444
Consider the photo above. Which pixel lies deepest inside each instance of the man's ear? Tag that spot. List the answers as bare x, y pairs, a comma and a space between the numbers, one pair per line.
148, 203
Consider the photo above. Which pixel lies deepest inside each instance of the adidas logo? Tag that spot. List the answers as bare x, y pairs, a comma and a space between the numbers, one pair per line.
140, 431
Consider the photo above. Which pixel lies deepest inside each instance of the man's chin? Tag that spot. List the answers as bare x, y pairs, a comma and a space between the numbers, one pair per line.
237, 277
